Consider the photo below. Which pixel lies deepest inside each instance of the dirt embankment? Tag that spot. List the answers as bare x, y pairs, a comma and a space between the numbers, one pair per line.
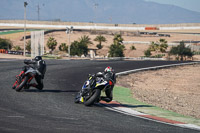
62, 37
176, 89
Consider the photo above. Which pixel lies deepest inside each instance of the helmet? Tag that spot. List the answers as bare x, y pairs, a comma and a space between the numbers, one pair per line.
37, 58
108, 69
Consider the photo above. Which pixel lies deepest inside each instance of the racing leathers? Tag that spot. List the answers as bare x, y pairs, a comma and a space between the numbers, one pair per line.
40, 67
106, 76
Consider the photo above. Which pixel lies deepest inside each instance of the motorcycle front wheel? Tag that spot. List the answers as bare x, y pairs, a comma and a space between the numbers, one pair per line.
94, 97
22, 84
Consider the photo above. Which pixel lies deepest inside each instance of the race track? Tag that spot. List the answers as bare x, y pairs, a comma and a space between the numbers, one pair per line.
53, 110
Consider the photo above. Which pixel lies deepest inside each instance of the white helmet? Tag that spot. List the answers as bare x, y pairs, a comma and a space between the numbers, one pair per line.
108, 69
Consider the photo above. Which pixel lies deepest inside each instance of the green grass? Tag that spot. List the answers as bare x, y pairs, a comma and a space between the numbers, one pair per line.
124, 96
50, 57
15, 31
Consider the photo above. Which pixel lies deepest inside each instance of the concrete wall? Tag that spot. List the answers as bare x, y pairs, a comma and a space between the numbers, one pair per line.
96, 26
100, 24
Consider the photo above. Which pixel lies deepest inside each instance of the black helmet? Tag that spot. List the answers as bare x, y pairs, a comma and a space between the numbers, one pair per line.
37, 58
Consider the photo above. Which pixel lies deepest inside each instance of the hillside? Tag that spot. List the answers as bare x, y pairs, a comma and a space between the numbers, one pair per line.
112, 11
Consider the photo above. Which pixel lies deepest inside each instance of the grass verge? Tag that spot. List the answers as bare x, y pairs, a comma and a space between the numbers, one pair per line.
16, 31
51, 57
125, 97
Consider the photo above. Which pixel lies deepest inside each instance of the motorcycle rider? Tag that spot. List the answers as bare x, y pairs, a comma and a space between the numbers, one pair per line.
107, 75
40, 66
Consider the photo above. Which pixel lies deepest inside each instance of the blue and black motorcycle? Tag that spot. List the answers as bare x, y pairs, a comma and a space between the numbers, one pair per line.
91, 90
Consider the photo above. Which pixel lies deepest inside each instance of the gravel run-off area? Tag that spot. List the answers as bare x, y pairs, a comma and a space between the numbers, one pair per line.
176, 89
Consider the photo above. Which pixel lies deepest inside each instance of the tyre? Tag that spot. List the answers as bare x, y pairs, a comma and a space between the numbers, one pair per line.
95, 95
22, 84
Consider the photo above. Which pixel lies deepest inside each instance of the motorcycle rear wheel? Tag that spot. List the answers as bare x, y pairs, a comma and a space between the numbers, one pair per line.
22, 84
95, 95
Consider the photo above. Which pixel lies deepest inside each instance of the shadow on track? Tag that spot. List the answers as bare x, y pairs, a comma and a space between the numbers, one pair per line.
52, 91
136, 106
127, 105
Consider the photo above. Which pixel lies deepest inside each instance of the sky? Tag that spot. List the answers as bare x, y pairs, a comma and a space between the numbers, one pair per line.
106, 11
193, 5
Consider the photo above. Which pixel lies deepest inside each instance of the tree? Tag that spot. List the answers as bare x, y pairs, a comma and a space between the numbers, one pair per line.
159, 46
181, 51
163, 45
63, 47
99, 46
5, 44
147, 53
78, 48
117, 49
28, 46
100, 39
85, 40
51, 44
154, 46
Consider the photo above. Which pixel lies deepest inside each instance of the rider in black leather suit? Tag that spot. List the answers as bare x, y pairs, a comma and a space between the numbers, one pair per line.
40, 66
107, 75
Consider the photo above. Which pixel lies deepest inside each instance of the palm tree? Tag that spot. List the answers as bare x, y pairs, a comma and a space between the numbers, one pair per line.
163, 45
154, 46
159, 46
100, 39
85, 40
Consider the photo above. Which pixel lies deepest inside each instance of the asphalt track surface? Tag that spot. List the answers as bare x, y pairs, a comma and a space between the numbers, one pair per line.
53, 110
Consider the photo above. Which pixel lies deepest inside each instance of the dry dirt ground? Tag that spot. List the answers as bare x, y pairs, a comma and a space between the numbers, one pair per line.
62, 37
176, 89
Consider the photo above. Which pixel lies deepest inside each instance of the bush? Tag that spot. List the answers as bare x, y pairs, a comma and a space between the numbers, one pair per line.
17, 48
78, 48
181, 51
28, 46
147, 53
158, 56
117, 49
5, 44
63, 47
133, 48
51, 44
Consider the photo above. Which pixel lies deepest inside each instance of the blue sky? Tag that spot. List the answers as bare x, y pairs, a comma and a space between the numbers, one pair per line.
188, 4
107, 11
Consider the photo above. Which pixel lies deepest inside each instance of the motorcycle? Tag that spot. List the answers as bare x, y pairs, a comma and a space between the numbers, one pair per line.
91, 90
24, 78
